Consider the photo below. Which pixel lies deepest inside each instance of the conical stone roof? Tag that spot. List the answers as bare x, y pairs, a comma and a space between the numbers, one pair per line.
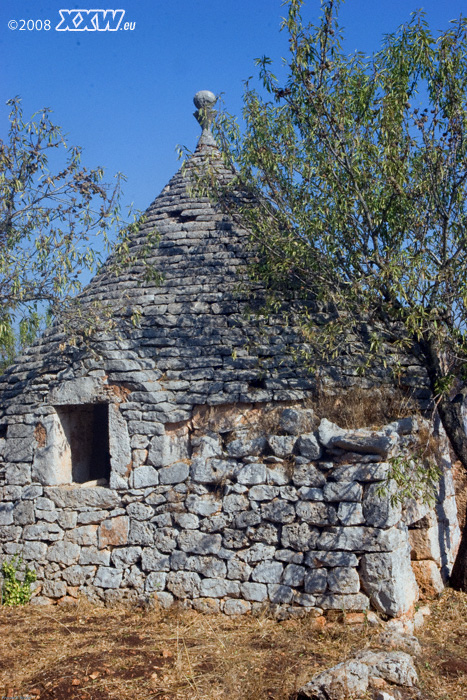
186, 340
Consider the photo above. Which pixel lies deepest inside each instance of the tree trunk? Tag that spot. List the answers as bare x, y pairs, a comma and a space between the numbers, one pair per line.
450, 413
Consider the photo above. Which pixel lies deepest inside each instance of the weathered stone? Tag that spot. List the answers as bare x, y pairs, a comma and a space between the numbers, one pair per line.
309, 447
92, 555
263, 493
318, 514
54, 589
244, 446
235, 503
77, 575
297, 421
106, 577
141, 533
218, 587
343, 580
350, 513
360, 472
211, 471
251, 474
343, 491
308, 475
18, 474
282, 445
184, 584
66, 553
258, 552
187, 521
389, 580
203, 505
85, 535
293, 575
345, 681
392, 666
236, 607
6, 514
428, 577
34, 550
50, 532
279, 594
379, 509
139, 511
268, 572
316, 560
174, 474
152, 560
125, 556
278, 511
199, 543
207, 566
316, 581
145, 476
155, 581
167, 449
78, 497
424, 543
254, 591
361, 539
366, 441
299, 536
339, 601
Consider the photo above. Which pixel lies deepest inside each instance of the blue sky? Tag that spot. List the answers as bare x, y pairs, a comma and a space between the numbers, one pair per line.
125, 97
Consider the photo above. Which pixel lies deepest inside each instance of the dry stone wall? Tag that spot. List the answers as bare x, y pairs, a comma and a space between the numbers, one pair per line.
239, 508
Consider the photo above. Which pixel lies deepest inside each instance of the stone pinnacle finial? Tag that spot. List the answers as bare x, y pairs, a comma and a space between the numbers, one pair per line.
204, 101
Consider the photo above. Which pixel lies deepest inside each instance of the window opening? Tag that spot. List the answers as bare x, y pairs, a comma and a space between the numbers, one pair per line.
86, 428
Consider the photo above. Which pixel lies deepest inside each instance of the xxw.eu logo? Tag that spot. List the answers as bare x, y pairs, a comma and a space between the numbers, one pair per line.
92, 21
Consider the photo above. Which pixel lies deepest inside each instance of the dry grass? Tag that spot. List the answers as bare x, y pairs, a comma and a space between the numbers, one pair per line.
88, 653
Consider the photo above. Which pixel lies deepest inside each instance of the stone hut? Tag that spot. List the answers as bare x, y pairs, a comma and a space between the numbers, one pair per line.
175, 456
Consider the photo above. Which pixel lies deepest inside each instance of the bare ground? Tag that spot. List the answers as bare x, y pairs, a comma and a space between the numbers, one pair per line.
89, 653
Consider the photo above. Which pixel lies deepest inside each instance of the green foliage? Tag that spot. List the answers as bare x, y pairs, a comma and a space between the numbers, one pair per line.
16, 591
358, 166
56, 218
411, 478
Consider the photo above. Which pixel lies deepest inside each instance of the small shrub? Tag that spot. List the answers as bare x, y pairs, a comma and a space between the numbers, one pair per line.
14, 591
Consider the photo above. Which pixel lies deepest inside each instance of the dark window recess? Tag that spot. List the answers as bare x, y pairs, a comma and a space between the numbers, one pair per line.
87, 431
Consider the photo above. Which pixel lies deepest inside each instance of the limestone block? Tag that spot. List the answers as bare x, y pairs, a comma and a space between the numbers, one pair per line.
54, 589
6, 514
140, 511
66, 553
279, 594
184, 584
31, 492
107, 577
343, 580
268, 572
85, 535
50, 532
241, 447
119, 442
208, 445
144, 476
11, 493
254, 591
277, 474
218, 587
203, 505
389, 580
282, 445
125, 556
247, 519
361, 539
236, 607
296, 421
258, 552
152, 560
174, 474
18, 474
92, 555
155, 581
316, 513
187, 521
35, 551
211, 471
424, 544
299, 536
278, 511
392, 666
309, 447
76, 497
238, 570
141, 533
210, 567
199, 543
316, 581
360, 472
263, 493
339, 601
67, 519
343, 491
378, 510
76, 575
18, 450
365, 441
50, 516
350, 513
316, 560
167, 449
307, 493
308, 475
346, 681
235, 503
289, 556
293, 575
266, 532
251, 474
429, 579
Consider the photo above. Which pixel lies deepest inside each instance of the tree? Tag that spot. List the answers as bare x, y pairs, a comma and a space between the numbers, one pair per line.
359, 170
53, 226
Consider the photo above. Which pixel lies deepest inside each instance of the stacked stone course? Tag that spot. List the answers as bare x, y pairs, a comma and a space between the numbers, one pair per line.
231, 519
